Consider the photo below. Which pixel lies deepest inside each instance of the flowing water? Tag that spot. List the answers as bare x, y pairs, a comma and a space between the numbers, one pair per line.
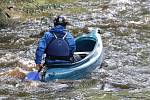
125, 72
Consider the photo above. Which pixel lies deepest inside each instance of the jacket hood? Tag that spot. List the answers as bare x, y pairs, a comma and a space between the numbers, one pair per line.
58, 29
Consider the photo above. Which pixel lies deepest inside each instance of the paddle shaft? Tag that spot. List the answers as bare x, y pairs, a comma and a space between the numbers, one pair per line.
39, 70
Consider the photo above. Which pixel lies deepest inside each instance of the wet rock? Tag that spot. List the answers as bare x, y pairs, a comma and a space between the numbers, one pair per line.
108, 34
112, 64
17, 74
122, 86
3, 19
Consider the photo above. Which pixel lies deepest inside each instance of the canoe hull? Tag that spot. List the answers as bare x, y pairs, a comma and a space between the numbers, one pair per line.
81, 68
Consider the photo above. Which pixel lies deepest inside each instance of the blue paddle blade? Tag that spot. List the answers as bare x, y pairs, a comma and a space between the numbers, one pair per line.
33, 76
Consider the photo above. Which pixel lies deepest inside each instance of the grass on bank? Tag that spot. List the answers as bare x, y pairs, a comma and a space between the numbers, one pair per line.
36, 9
75, 10
54, 1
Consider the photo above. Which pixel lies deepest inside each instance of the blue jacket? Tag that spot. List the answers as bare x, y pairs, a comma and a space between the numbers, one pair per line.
47, 37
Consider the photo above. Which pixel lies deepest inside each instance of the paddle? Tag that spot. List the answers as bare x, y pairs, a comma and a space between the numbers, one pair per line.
33, 76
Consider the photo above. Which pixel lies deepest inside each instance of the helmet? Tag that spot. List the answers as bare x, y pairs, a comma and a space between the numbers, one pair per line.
60, 20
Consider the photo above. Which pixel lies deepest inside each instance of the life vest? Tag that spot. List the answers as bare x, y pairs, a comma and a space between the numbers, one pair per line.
58, 48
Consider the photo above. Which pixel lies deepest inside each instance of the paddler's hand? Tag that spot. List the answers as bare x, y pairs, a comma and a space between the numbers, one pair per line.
39, 66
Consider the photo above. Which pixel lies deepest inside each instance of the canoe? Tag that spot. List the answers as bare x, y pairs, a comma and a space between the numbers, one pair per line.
88, 55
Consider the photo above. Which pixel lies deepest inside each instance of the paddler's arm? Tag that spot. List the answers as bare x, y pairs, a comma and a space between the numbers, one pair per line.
41, 48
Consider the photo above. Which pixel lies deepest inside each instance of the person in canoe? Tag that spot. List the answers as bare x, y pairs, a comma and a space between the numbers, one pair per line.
57, 43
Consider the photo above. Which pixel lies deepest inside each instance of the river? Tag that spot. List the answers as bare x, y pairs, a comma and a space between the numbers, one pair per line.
125, 72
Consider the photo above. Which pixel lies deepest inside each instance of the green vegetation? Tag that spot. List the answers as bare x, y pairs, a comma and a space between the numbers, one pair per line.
61, 1
34, 9
3, 19
76, 10
4, 91
22, 94
41, 2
